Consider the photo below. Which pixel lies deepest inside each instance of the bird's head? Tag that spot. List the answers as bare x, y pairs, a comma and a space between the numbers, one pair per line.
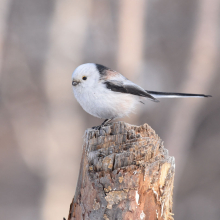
85, 75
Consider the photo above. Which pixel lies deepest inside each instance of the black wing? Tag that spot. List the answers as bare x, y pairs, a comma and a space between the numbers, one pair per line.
117, 86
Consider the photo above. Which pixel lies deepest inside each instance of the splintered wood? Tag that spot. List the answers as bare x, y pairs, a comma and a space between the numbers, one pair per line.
126, 173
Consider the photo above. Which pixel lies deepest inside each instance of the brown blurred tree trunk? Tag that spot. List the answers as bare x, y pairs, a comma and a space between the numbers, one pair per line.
131, 37
201, 74
71, 19
125, 173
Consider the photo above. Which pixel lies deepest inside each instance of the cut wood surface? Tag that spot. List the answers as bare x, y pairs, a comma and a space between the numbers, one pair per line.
125, 173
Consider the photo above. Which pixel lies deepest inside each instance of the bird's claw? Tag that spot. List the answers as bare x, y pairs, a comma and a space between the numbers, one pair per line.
107, 122
97, 127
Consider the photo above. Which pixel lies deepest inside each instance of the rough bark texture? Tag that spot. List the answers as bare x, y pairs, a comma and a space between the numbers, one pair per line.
125, 173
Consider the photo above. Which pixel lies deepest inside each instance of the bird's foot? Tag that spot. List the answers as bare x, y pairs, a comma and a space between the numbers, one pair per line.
108, 124
97, 127
104, 123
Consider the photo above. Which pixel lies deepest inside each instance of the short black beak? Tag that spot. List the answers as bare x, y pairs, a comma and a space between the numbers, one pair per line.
74, 83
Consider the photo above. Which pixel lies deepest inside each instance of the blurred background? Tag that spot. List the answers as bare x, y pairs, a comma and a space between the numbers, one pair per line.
162, 45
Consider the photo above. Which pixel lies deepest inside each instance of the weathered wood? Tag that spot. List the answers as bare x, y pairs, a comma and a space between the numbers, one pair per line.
125, 173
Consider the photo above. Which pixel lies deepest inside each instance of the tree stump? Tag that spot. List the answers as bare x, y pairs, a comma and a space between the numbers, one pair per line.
126, 173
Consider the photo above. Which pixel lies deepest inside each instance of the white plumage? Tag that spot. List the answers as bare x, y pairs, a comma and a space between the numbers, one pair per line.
105, 93
96, 99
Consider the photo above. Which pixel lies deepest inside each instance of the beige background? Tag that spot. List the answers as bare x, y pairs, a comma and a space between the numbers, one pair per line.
163, 45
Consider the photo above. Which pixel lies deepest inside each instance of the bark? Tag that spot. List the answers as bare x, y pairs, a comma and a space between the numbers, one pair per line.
126, 173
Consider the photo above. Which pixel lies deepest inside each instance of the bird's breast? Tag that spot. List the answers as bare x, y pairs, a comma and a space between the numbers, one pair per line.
104, 103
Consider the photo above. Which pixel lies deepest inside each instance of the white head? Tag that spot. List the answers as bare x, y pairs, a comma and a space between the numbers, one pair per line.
85, 75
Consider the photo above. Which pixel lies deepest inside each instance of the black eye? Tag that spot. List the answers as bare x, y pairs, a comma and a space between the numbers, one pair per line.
84, 78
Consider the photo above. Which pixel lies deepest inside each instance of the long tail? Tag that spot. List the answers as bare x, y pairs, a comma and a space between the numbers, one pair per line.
176, 95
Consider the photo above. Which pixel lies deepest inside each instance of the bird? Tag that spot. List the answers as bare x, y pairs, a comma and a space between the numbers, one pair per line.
107, 94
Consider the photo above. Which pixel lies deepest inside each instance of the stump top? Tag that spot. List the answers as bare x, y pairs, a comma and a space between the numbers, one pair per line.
126, 173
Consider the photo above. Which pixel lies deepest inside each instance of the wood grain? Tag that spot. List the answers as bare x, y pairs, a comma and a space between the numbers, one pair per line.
126, 173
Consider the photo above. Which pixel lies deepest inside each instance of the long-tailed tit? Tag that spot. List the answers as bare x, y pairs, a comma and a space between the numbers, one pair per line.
107, 94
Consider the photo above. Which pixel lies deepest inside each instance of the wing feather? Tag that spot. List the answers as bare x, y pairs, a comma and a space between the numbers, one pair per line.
131, 88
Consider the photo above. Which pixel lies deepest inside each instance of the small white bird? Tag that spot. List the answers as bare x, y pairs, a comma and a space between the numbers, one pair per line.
107, 94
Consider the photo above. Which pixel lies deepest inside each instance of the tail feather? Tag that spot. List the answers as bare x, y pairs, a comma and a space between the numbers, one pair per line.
175, 95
